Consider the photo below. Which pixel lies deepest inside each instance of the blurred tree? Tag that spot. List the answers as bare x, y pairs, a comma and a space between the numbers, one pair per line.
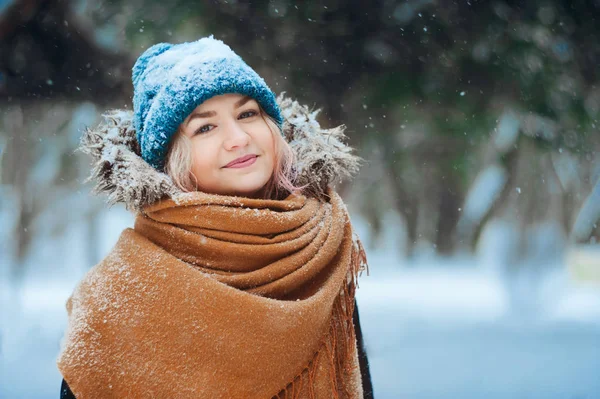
421, 84
49, 67
48, 54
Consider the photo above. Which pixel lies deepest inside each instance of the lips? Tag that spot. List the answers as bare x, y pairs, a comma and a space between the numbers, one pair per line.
246, 159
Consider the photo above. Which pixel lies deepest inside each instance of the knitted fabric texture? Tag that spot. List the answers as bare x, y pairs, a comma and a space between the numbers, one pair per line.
166, 315
171, 80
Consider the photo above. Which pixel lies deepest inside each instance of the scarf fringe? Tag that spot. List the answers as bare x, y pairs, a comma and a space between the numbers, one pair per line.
339, 344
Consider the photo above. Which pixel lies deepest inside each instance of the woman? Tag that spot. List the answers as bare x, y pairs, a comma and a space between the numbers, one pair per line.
239, 275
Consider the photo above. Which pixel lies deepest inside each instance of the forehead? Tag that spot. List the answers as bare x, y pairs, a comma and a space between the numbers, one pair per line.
224, 100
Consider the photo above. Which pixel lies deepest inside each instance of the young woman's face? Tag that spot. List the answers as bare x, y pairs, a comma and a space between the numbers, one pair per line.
232, 146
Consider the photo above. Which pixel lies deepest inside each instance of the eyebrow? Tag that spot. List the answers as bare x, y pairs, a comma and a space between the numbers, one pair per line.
243, 101
208, 114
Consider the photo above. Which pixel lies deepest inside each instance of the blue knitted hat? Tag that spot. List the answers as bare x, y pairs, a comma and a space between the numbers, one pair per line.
171, 80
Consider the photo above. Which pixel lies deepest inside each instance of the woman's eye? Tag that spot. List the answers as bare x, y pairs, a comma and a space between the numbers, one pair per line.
203, 129
247, 114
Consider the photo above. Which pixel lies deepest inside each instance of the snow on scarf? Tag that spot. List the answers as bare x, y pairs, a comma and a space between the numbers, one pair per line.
167, 315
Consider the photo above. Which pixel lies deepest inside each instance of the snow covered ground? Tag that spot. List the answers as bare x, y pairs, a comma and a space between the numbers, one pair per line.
435, 328
436, 334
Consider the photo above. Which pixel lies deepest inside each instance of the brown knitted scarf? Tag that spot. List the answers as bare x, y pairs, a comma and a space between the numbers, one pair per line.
220, 297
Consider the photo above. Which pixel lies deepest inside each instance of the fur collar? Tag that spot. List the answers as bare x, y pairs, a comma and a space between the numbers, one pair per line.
322, 157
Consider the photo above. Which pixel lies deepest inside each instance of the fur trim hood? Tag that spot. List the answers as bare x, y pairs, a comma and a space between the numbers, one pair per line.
322, 157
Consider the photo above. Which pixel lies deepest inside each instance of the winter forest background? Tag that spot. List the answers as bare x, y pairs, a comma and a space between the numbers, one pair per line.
478, 203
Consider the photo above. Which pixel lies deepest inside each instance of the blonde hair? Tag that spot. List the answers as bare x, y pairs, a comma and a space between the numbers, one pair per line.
179, 160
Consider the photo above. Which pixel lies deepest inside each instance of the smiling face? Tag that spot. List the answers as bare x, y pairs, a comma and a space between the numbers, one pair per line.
232, 146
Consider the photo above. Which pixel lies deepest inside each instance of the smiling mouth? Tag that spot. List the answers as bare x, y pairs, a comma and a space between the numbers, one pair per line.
242, 162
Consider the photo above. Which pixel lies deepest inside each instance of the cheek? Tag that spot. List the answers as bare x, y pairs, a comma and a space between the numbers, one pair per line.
204, 158
268, 145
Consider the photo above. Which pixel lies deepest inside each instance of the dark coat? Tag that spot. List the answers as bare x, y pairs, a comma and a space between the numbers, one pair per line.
65, 392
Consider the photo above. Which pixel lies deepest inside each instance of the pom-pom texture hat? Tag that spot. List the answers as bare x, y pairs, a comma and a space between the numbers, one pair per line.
171, 80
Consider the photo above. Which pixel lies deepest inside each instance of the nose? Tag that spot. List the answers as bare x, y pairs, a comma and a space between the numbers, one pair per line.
236, 137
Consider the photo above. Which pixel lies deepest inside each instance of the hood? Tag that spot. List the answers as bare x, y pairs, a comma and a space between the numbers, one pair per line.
322, 157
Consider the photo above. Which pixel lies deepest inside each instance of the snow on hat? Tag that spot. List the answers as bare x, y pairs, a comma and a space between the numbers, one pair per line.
171, 80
